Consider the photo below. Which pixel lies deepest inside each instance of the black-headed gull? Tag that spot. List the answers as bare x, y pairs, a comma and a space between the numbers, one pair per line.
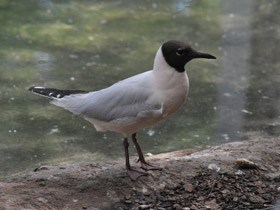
137, 102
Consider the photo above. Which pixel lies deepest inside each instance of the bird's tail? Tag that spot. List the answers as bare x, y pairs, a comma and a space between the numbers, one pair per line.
54, 93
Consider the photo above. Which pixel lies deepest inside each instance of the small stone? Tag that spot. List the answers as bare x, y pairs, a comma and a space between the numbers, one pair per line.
188, 187
127, 196
147, 193
128, 201
186, 208
235, 199
225, 192
212, 204
145, 206
201, 198
177, 206
219, 185
43, 200
193, 207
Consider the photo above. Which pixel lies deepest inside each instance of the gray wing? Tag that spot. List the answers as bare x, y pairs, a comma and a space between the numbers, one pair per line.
126, 99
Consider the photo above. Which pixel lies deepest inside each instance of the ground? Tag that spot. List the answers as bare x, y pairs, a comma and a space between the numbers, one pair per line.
206, 179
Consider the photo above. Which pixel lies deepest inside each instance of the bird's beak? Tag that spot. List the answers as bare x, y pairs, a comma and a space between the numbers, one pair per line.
202, 55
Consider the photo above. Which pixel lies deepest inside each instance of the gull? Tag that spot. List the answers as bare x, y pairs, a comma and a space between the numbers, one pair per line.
134, 103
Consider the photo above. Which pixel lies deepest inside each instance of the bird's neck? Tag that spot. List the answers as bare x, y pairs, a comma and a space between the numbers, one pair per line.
164, 73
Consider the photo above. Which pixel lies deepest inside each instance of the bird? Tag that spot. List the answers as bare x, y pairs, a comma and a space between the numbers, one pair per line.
134, 103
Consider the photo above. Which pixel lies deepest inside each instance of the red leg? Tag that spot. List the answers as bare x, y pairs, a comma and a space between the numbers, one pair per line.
133, 172
145, 165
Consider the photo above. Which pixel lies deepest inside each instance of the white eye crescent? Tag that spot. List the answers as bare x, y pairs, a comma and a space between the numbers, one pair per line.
180, 52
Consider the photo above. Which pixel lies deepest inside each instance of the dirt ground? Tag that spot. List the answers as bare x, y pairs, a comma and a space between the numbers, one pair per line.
206, 179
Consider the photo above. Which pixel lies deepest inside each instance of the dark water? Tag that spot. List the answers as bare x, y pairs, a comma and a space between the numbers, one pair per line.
91, 45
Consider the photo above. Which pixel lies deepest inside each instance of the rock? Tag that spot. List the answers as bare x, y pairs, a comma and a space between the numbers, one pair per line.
188, 187
212, 204
182, 184
235, 199
177, 206
128, 201
127, 196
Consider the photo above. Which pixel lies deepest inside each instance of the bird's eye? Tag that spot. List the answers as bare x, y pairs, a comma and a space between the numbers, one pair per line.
180, 52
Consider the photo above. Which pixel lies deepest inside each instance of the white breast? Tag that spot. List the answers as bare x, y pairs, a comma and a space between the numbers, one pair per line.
171, 87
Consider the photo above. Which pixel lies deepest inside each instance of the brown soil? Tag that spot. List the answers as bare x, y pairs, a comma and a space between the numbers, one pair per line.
207, 179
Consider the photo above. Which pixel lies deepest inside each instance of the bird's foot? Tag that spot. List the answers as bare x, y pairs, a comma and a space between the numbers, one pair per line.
149, 166
135, 172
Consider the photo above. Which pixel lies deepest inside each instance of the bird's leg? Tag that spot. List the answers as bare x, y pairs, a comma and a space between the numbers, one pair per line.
133, 172
144, 164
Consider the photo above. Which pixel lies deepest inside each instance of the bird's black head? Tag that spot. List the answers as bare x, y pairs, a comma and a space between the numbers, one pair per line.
177, 54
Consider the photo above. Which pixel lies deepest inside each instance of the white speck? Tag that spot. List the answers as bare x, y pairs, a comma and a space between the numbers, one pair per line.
215, 108
103, 21
91, 64
54, 130
196, 135
39, 88
75, 201
72, 78
35, 156
239, 172
227, 94
70, 21
58, 96
73, 56
50, 93
196, 44
154, 5
15, 131
91, 38
84, 127
225, 136
265, 97
10, 131
32, 118
144, 190
49, 11
12, 99
145, 206
246, 111
104, 136
231, 15
150, 132
214, 166
43, 200
149, 154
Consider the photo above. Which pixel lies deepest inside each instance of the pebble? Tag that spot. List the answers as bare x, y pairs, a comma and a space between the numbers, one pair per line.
144, 206
127, 196
188, 187
222, 191
128, 201
177, 206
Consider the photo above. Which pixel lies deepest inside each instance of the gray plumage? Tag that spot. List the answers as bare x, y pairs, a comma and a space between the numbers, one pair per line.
126, 99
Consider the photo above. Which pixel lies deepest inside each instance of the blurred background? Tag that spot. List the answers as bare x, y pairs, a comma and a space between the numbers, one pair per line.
92, 44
